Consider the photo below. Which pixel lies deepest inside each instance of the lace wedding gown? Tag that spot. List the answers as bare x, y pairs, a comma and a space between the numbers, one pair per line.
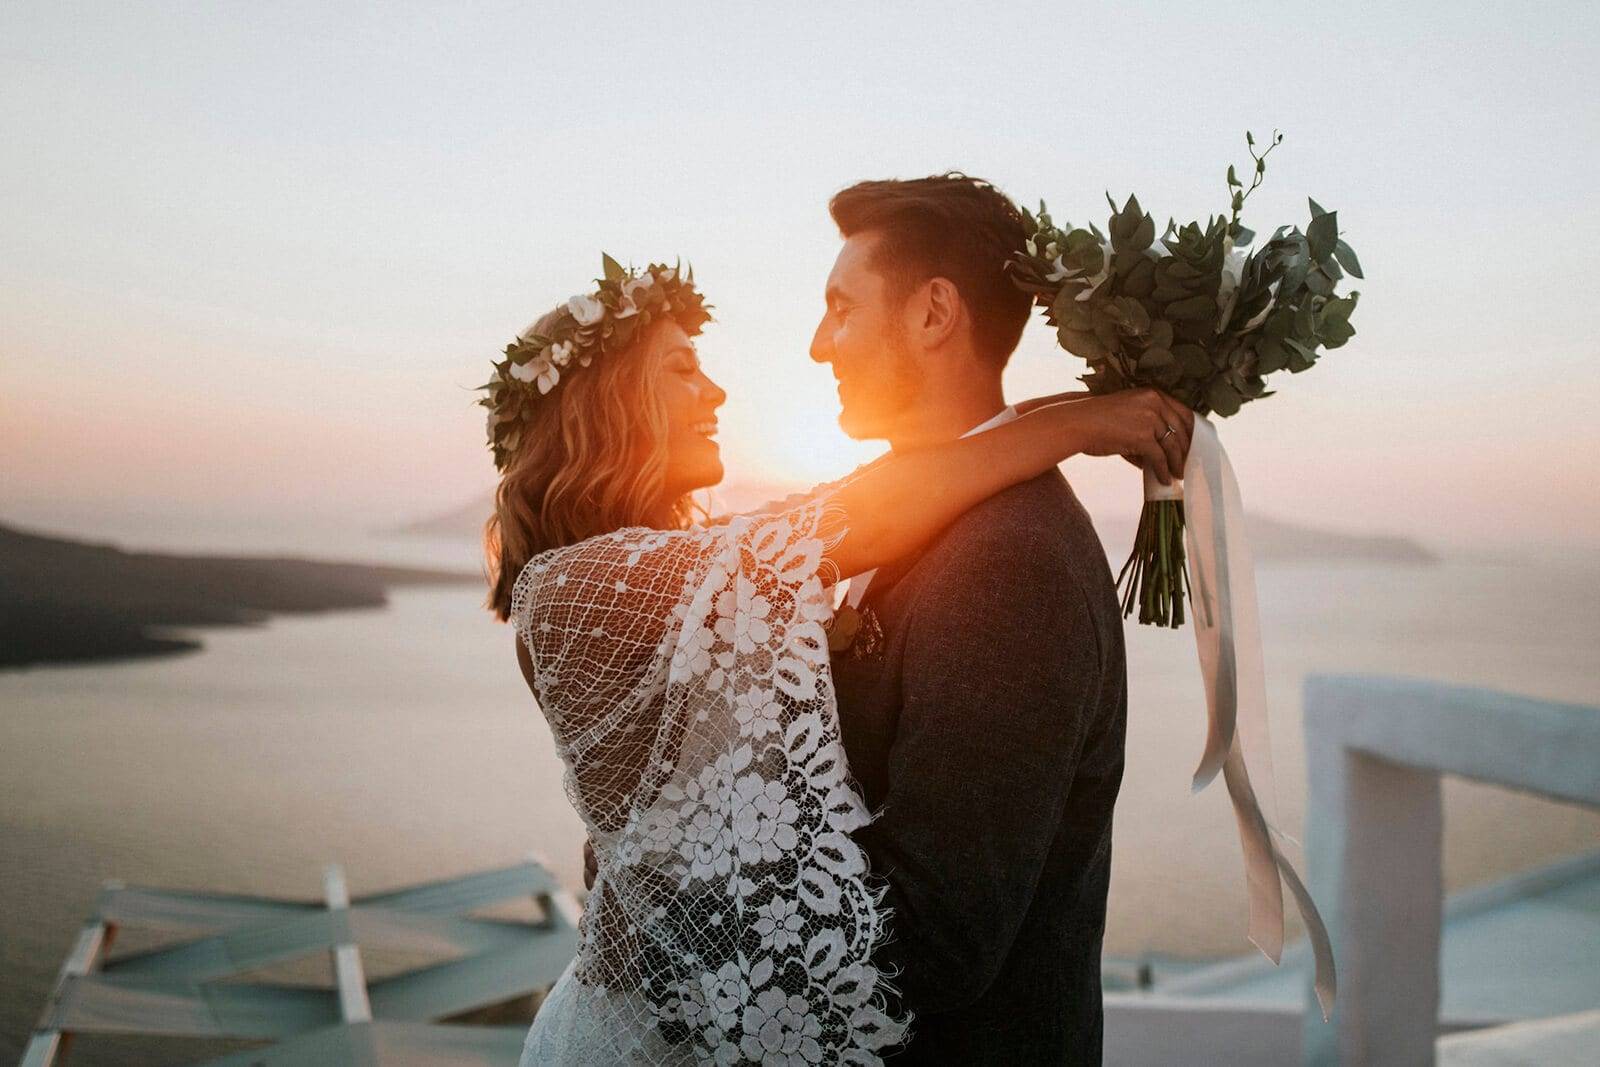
685, 678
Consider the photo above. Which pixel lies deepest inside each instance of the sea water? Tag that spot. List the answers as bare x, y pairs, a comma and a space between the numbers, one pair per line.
402, 744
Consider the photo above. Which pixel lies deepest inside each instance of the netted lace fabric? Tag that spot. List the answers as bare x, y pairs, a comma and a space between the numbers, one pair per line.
685, 678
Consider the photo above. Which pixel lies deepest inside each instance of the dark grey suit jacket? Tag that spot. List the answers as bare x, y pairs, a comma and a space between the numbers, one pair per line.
983, 707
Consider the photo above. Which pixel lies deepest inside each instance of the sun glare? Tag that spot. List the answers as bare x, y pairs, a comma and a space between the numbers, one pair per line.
821, 451
810, 449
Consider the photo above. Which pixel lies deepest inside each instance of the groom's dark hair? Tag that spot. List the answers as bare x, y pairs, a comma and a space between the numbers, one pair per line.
946, 226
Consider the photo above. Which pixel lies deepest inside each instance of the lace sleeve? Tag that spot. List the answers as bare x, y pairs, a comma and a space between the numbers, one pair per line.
685, 676
601, 617
596, 618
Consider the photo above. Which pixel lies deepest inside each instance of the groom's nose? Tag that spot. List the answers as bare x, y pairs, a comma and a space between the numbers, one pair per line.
821, 343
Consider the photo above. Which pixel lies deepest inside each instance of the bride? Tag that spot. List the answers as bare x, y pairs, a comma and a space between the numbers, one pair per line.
682, 664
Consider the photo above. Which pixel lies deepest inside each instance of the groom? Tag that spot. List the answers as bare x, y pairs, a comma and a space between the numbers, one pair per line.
981, 685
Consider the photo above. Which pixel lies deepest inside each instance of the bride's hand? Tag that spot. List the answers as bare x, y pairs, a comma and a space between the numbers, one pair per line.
1133, 424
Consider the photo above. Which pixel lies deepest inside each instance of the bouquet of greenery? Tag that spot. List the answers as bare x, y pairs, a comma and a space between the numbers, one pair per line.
1194, 316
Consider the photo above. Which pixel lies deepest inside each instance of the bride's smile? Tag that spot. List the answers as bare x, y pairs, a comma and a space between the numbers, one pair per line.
690, 400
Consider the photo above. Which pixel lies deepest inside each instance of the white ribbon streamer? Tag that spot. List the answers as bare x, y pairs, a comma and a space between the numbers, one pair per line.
1227, 631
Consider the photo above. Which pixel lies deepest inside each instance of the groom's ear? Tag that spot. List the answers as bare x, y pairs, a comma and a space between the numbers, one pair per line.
938, 313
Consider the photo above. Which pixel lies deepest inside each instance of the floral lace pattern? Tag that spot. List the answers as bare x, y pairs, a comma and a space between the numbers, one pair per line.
685, 678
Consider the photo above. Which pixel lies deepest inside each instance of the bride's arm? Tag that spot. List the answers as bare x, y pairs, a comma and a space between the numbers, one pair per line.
893, 508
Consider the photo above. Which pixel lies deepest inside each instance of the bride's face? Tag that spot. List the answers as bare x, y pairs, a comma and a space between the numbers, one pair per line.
690, 400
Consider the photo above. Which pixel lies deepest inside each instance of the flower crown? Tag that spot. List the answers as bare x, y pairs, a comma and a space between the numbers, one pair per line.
622, 307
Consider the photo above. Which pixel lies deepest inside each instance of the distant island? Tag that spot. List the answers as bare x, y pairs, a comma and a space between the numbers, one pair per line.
67, 601
1271, 540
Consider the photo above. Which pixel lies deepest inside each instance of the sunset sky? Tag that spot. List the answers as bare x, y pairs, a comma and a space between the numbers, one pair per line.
255, 257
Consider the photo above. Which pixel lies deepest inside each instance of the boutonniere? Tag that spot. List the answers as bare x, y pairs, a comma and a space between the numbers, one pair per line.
843, 629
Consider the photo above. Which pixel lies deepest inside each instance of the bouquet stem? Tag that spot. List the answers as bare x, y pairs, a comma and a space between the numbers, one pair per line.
1156, 576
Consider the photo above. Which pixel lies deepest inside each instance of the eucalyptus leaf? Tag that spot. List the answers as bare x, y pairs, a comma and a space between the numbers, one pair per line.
1294, 275
1336, 334
1081, 343
1145, 235
1192, 309
1305, 322
1222, 398
1322, 235
1271, 355
1347, 259
1132, 314
1140, 280
1105, 329
1301, 355
1193, 359
1338, 310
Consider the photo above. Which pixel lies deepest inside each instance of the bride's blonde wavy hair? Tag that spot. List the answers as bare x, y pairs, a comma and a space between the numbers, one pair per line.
592, 459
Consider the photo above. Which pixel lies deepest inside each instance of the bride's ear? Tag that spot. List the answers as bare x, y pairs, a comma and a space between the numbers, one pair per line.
939, 312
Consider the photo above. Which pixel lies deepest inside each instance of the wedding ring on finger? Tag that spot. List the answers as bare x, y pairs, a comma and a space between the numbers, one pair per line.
1169, 433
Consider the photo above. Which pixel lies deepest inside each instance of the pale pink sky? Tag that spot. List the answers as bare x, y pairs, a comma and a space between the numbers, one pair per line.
258, 258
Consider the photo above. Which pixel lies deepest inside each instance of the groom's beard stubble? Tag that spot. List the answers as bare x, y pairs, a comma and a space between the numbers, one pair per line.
883, 394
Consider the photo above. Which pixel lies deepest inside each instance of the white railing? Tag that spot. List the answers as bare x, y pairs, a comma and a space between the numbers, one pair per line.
1376, 748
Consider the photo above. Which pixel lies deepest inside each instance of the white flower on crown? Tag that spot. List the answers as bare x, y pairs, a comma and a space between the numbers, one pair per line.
586, 309
548, 377
537, 371
640, 284
632, 291
560, 353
